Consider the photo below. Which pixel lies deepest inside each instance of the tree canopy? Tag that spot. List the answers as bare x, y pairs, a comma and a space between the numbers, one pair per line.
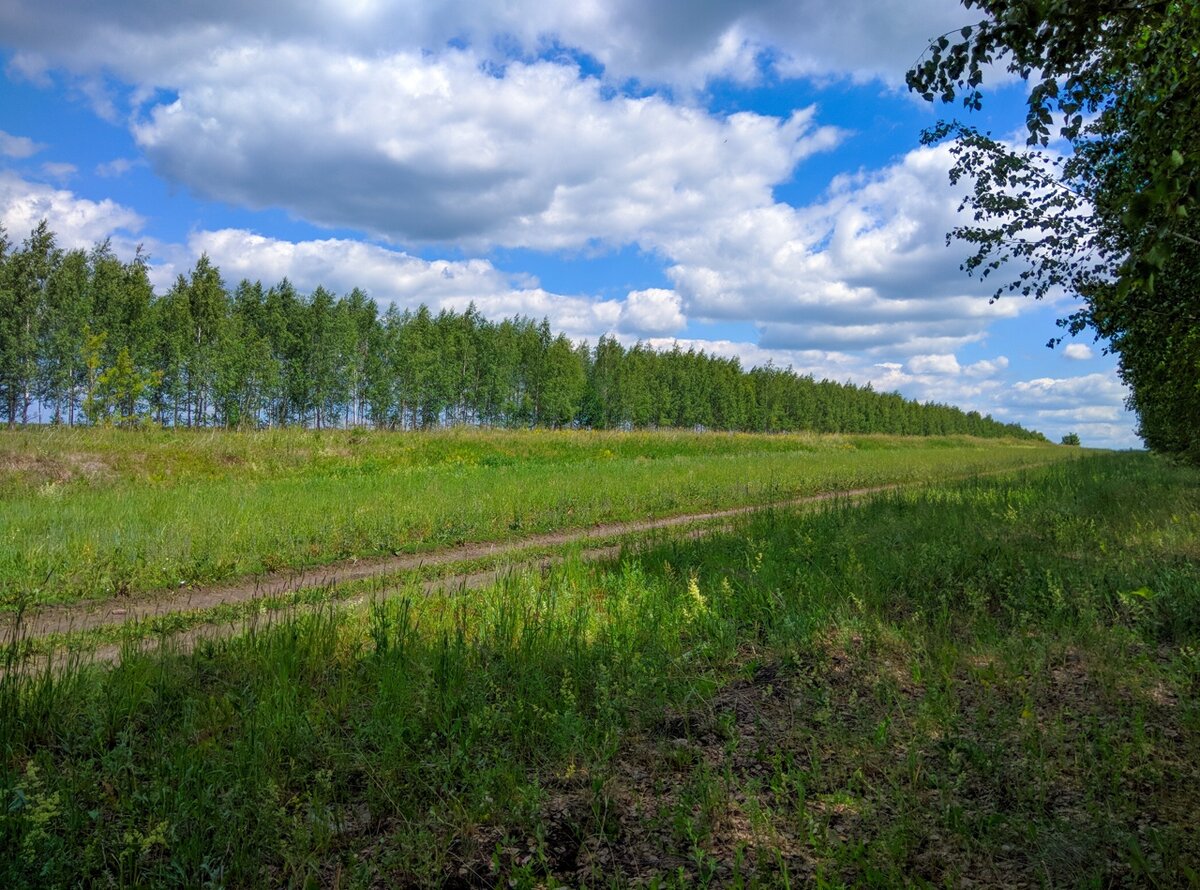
83, 336
1102, 201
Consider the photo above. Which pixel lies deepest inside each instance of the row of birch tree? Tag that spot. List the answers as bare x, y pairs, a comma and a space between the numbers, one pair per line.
84, 338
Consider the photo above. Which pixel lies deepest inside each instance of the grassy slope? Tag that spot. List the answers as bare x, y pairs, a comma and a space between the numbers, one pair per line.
96, 513
996, 680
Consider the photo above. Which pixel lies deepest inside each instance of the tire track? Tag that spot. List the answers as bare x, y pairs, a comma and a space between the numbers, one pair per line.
85, 616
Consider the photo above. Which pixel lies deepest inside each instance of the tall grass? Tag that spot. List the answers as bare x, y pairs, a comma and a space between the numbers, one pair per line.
90, 513
995, 679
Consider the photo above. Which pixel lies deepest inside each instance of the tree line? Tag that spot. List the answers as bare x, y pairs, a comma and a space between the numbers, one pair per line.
85, 339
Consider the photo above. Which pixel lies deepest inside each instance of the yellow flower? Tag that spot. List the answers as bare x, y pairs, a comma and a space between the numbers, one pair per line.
697, 605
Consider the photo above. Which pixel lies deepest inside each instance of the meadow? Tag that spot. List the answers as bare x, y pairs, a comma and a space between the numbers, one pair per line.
991, 680
100, 513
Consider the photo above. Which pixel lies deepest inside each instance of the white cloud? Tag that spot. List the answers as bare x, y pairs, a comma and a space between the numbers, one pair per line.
653, 312
59, 170
866, 269
1048, 393
388, 275
675, 41
942, 378
116, 167
821, 364
18, 146
980, 389
1092, 405
78, 222
419, 149
1083, 414
987, 367
934, 364
392, 276
1078, 351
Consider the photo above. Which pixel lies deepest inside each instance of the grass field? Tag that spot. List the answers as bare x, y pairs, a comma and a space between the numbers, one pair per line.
993, 680
100, 513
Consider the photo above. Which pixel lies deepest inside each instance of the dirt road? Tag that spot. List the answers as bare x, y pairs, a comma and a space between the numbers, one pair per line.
89, 615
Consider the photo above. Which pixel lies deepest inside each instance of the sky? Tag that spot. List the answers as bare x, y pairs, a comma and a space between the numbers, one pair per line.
741, 176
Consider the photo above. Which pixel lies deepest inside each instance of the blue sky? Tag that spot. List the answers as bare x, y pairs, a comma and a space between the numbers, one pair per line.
745, 177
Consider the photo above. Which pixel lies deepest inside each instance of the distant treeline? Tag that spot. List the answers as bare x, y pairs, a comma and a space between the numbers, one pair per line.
84, 338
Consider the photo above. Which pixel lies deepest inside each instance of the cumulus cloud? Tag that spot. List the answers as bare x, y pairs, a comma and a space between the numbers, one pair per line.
1078, 351
947, 365
675, 42
934, 364
867, 268
393, 277
78, 222
1049, 393
980, 386
987, 367
1092, 405
652, 312
1083, 414
387, 275
940, 377
821, 364
422, 149
18, 146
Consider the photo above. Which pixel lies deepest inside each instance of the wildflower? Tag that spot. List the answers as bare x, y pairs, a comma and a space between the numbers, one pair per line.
696, 604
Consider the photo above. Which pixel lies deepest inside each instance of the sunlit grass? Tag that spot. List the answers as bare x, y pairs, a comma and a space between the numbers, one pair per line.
954, 683
98, 513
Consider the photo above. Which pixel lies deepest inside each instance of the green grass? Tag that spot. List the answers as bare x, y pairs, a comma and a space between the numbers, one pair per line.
101, 513
995, 680
442, 576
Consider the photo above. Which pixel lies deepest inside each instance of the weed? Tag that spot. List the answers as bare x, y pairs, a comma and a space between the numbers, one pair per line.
916, 689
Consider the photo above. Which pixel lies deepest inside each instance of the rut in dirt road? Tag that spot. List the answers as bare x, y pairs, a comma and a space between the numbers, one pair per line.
186, 640
86, 616
92, 615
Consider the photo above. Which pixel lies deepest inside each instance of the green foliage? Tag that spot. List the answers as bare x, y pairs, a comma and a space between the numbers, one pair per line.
273, 357
988, 680
24, 276
91, 350
1071, 439
1114, 220
118, 396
